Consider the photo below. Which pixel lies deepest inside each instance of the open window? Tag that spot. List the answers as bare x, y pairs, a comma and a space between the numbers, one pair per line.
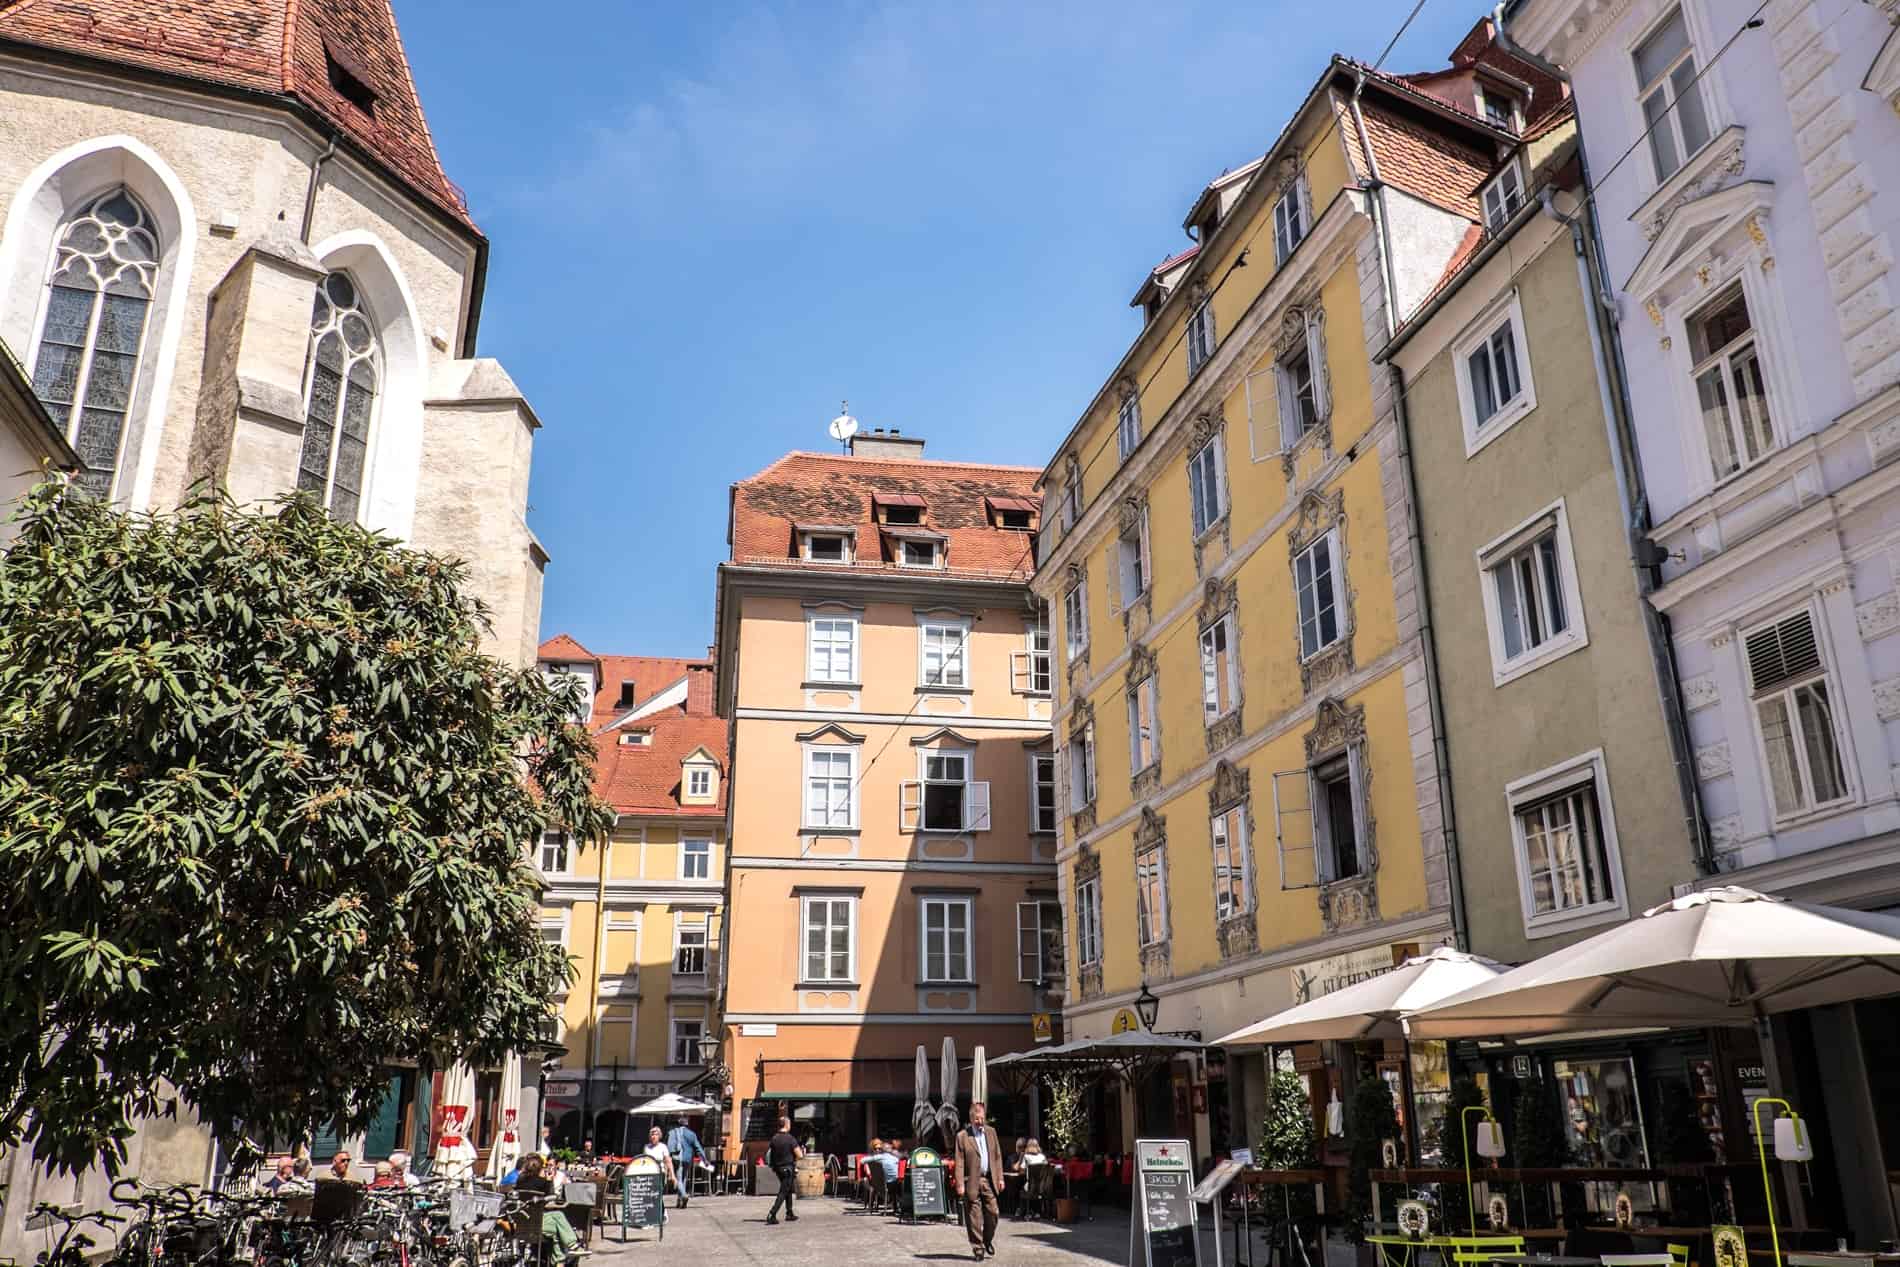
1031, 670
1144, 742
1128, 422
1320, 826
1039, 941
1151, 896
1339, 817
1131, 552
1502, 195
1200, 336
944, 798
1082, 769
1220, 670
1088, 921
1291, 219
1207, 485
1730, 386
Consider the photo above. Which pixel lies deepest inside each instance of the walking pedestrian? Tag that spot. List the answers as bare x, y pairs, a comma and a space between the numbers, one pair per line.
782, 1155
682, 1143
656, 1149
979, 1179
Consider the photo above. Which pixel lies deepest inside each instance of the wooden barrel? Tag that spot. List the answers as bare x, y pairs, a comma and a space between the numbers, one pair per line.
811, 1177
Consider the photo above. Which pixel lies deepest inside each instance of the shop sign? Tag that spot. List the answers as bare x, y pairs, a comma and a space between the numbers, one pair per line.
1125, 1022
759, 1029
1042, 1025
1161, 1216
1335, 972
563, 1088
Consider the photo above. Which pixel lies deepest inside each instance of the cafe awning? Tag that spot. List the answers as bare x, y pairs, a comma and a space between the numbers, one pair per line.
1124, 1054
1723, 956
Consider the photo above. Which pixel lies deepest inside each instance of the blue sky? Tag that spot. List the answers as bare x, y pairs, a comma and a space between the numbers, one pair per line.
710, 223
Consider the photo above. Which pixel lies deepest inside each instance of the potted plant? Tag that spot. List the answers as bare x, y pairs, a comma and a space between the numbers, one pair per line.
1288, 1142
1370, 1121
1065, 1123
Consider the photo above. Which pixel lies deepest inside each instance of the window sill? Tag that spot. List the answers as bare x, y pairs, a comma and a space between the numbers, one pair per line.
946, 690
1816, 813
1559, 923
830, 686
827, 985
1531, 661
1213, 525
1317, 652
1477, 438
927, 983
830, 831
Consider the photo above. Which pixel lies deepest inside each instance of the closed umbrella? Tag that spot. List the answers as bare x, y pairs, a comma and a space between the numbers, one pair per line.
948, 1119
504, 1149
1371, 1008
979, 1077
454, 1153
1723, 956
923, 1117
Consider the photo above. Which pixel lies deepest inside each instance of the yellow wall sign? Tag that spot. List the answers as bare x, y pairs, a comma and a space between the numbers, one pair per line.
1125, 1022
1042, 1026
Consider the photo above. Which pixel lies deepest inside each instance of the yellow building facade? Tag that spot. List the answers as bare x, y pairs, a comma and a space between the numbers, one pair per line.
1250, 788
640, 912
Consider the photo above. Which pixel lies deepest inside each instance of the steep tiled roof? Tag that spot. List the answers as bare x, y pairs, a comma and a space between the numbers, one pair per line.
645, 778
808, 488
1425, 161
278, 47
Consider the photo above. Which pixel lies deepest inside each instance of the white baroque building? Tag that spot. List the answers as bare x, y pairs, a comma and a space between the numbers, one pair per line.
228, 251
1746, 163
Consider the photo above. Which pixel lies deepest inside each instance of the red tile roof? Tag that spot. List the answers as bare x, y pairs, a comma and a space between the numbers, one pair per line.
1427, 162
837, 489
276, 47
645, 779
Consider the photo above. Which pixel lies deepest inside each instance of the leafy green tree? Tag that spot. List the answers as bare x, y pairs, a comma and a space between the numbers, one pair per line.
265, 812
1287, 1142
1457, 1143
1370, 1121
1065, 1121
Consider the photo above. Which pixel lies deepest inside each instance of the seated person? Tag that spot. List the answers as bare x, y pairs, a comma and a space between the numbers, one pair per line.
286, 1171
533, 1182
386, 1176
1033, 1155
881, 1155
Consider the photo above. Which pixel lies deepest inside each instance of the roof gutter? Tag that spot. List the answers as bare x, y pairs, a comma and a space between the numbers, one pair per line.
1375, 205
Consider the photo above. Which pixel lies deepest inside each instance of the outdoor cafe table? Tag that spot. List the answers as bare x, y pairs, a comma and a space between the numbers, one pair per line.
1545, 1260
1834, 1258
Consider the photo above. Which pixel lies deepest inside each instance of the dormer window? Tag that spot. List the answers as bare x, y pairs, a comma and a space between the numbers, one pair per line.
914, 552
626, 694
825, 545
898, 509
904, 515
699, 779
636, 739
1503, 194
347, 77
1015, 513
1013, 519
1498, 108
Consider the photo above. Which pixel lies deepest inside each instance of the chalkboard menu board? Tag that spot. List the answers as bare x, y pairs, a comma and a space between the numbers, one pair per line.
927, 1197
761, 1120
643, 1198
1162, 1218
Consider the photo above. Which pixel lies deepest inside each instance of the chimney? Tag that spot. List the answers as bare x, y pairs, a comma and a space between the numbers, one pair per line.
699, 690
626, 693
879, 443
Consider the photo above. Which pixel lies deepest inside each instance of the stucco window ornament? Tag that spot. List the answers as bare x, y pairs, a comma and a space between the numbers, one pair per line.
1218, 622
339, 397
98, 298
1151, 848
1088, 889
1208, 493
1231, 831
1079, 769
1338, 739
1301, 383
1144, 721
1322, 618
1134, 587
1075, 633
1714, 169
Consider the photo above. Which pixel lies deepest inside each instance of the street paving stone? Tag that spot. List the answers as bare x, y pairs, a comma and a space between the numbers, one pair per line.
836, 1233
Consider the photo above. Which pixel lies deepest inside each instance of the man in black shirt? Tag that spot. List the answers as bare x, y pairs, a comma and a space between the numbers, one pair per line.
782, 1156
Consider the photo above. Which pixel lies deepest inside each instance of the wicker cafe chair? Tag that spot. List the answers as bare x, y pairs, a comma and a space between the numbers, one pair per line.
880, 1195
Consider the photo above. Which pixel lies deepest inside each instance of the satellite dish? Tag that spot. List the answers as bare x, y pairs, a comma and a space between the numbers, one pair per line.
844, 426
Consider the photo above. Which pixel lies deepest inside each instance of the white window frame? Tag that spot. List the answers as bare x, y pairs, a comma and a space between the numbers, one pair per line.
1721, 361
1132, 561
697, 774
1503, 195
1207, 470
1487, 95
833, 619
1038, 908
1128, 423
1227, 834
1037, 762
1586, 767
1071, 499
566, 846
1478, 334
975, 800
1325, 869
1330, 539
1784, 691
680, 929
1552, 521
956, 652
1143, 754
1223, 630
1032, 671
688, 853
1075, 619
1082, 770
829, 751
1672, 120
1151, 916
845, 542
805, 901
1201, 342
1088, 922
948, 904
560, 923
674, 1021
904, 545
1292, 221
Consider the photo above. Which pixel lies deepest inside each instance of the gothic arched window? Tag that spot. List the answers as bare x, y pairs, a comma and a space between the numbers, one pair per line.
98, 298
340, 396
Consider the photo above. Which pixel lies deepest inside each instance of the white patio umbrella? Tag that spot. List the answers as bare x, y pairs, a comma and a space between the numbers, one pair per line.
504, 1145
454, 1152
1371, 1008
672, 1102
1724, 956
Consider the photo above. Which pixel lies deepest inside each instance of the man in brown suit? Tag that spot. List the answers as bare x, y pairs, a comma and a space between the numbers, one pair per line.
979, 1179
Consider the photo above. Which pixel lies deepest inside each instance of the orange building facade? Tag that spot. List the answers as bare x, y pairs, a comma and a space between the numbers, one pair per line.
892, 873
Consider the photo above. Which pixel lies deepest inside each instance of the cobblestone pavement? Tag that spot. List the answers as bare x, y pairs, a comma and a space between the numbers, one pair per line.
835, 1233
